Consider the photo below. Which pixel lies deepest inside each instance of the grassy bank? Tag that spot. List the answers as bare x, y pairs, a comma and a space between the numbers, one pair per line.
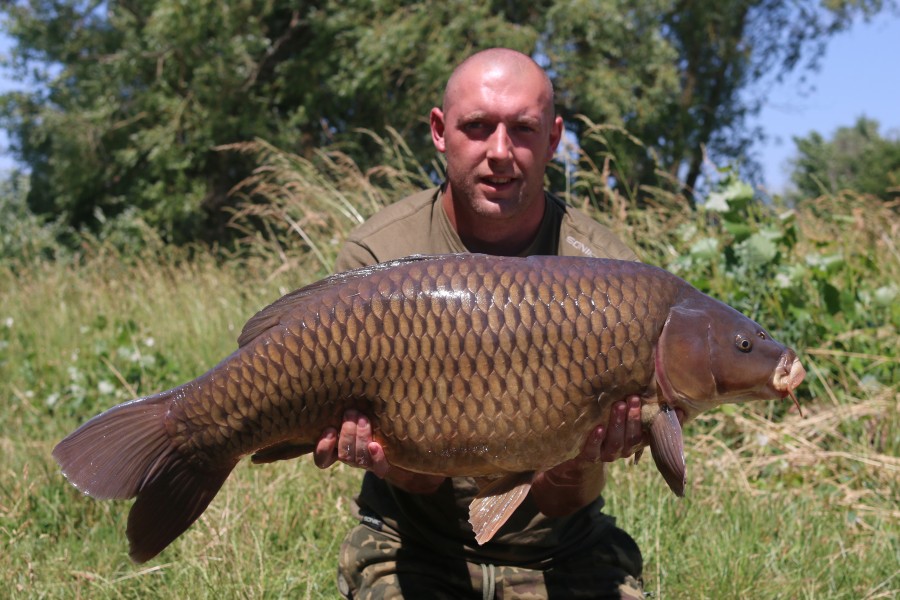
778, 505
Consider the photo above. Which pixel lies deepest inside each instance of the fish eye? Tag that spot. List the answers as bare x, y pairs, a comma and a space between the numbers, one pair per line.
743, 343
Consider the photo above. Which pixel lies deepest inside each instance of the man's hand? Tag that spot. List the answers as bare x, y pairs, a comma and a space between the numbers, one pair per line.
354, 446
621, 437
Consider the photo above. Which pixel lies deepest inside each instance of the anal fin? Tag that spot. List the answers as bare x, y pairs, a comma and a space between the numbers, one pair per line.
283, 451
496, 502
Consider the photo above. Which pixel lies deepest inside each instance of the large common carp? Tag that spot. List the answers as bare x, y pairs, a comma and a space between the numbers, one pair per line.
467, 365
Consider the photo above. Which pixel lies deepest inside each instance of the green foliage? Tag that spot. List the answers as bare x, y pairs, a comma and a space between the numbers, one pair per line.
821, 276
856, 158
133, 100
682, 78
130, 100
24, 237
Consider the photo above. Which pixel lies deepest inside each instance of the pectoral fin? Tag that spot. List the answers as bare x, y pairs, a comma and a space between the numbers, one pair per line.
667, 448
496, 502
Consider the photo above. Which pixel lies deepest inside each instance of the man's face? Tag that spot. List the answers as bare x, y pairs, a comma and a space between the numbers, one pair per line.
498, 134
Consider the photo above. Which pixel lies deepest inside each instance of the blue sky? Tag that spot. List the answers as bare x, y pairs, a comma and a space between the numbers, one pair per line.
860, 75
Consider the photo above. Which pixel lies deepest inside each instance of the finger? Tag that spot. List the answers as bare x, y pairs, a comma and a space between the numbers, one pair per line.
379, 464
593, 447
347, 439
361, 444
634, 435
324, 455
615, 435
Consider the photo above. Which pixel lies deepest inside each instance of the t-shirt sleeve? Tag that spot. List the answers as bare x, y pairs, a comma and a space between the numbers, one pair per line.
395, 231
581, 235
353, 255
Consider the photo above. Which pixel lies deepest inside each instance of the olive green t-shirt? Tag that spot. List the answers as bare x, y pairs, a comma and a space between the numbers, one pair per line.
418, 224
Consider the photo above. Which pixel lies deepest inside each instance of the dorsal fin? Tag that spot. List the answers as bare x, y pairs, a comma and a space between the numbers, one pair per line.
272, 314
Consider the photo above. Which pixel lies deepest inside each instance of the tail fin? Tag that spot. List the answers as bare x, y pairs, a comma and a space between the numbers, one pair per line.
126, 452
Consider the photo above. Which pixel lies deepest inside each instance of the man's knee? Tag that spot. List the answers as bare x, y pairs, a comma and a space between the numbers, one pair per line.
375, 565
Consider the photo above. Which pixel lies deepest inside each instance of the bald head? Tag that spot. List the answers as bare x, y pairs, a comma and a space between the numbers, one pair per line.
498, 131
500, 63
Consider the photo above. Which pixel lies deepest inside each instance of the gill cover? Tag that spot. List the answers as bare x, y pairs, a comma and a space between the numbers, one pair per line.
683, 357
682, 371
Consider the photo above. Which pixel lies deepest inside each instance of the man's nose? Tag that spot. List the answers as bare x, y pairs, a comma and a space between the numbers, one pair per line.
499, 144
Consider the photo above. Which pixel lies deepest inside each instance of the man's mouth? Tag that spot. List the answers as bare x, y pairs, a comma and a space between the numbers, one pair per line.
498, 181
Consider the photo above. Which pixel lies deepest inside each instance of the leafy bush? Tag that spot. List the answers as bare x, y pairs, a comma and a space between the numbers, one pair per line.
24, 237
822, 275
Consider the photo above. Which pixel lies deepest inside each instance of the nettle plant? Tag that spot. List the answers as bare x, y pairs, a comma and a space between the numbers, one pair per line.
818, 275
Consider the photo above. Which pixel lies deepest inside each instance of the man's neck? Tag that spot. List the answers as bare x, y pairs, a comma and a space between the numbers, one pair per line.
493, 236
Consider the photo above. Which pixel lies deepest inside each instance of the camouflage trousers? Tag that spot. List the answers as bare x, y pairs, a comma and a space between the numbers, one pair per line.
376, 565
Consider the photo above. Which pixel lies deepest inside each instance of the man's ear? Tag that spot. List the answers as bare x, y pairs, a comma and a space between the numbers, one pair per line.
556, 129
437, 129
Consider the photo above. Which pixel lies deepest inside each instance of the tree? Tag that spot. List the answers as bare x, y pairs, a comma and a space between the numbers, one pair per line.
132, 98
857, 158
687, 73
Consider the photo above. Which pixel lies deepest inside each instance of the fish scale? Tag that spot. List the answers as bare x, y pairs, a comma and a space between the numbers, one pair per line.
466, 365
530, 355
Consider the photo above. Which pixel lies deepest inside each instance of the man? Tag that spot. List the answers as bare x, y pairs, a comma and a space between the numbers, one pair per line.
498, 130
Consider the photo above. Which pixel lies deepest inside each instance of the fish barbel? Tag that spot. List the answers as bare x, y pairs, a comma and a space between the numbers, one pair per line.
467, 365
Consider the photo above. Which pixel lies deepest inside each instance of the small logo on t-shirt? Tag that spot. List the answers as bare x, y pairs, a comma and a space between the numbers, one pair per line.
580, 246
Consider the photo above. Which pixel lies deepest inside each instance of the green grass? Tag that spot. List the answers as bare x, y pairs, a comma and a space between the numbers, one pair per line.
777, 507
764, 522
76, 340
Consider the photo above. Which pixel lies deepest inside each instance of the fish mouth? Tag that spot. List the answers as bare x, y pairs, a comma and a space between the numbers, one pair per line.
788, 376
